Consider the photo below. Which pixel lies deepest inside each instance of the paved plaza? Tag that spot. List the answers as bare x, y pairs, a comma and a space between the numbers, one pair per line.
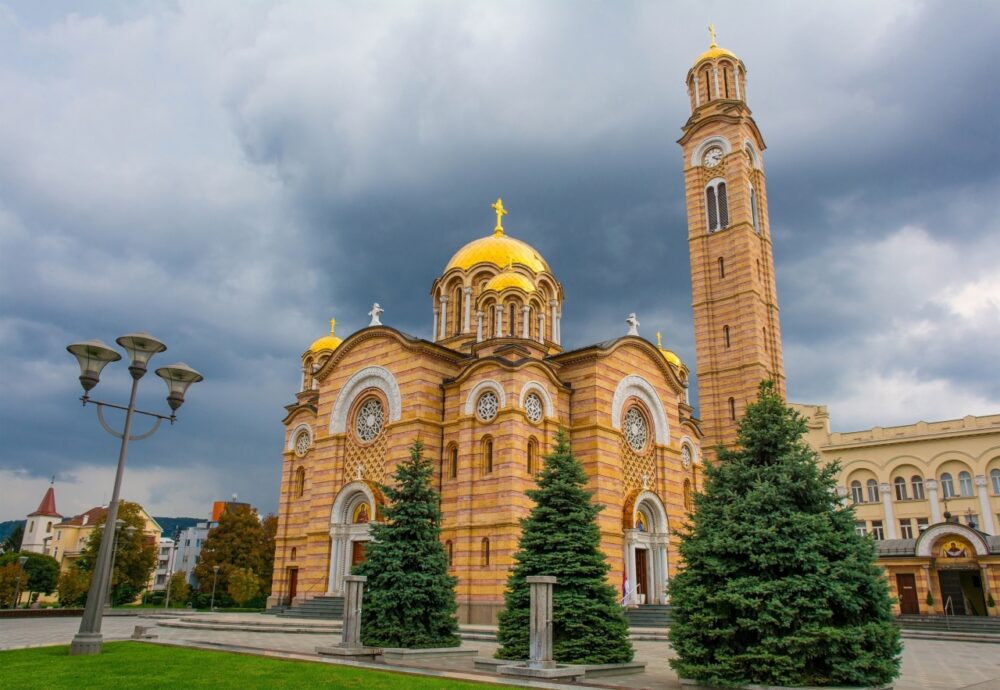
927, 664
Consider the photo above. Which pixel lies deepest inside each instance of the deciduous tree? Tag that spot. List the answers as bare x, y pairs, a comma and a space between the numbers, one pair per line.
238, 541
41, 572
244, 585
73, 586
135, 554
180, 590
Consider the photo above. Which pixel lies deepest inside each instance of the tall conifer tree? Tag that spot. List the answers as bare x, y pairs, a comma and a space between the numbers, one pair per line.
410, 601
777, 587
560, 538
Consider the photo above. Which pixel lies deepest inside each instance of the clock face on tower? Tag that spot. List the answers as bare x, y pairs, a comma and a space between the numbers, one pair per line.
712, 157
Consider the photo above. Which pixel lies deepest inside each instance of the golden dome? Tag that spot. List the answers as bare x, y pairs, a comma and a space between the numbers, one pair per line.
497, 249
509, 279
327, 342
714, 51
667, 354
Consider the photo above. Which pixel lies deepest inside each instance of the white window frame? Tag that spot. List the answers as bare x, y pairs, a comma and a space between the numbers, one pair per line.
965, 489
715, 184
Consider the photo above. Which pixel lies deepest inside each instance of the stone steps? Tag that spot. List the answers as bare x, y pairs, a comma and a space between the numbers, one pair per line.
981, 625
649, 616
328, 608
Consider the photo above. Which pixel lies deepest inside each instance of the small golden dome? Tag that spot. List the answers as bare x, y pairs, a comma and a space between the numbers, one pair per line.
667, 354
714, 51
509, 279
327, 342
497, 249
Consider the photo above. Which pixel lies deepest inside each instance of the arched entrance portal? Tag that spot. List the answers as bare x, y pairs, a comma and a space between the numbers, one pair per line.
647, 535
353, 511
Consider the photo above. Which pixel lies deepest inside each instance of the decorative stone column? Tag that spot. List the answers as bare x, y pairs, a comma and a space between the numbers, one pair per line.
541, 327
526, 321
890, 520
559, 328
715, 78
304, 372
479, 326
498, 333
931, 486
434, 331
444, 317
467, 320
555, 321
632, 579
350, 635
540, 640
986, 519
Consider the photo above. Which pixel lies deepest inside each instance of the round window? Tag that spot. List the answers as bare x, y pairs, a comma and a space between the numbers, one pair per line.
369, 419
533, 407
635, 428
487, 406
686, 456
302, 443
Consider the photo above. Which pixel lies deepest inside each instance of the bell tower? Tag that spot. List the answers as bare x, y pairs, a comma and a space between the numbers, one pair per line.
737, 335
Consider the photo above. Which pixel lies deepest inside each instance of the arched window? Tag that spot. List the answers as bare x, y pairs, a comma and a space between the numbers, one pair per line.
706, 79
532, 456
487, 455
900, 485
484, 552
48, 528
725, 336
457, 330
295, 552
917, 483
450, 551
300, 481
494, 331
763, 332
513, 316
688, 503
760, 272
995, 480
453, 469
722, 267
725, 81
857, 493
872, 487
754, 214
947, 486
717, 205
732, 409
965, 484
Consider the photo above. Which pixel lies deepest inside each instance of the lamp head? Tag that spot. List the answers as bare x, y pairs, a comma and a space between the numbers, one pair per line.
215, 568
130, 531
141, 347
178, 378
93, 356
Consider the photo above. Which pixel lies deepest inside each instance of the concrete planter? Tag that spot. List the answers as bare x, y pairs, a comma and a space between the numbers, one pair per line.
395, 655
695, 685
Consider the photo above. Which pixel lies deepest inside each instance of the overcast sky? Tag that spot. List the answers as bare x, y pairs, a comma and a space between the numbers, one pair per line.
228, 176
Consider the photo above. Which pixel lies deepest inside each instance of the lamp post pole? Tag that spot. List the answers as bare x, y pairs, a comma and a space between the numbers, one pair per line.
215, 580
17, 592
93, 356
114, 552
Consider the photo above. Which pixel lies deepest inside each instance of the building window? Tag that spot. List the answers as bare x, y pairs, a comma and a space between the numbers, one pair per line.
533, 407
457, 330
877, 531
453, 471
859, 527
905, 528
857, 493
965, 484
717, 205
295, 552
947, 486
300, 482
872, 486
754, 215
688, 502
725, 336
995, 479
900, 485
722, 267
922, 524
487, 455
636, 429
763, 332
513, 314
972, 519
917, 482
369, 419
732, 409
532, 456
450, 551
487, 406
484, 552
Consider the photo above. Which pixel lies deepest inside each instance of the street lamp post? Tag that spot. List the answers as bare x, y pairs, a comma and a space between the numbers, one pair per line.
215, 580
93, 356
170, 569
17, 596
129, 532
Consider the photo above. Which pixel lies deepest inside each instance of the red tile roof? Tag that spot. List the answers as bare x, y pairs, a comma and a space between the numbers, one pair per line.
47, 507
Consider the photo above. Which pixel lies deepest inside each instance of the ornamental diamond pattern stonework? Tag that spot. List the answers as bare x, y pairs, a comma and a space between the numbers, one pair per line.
533, 407
639, 469
487, 406
635, 429
368, 422
365, 461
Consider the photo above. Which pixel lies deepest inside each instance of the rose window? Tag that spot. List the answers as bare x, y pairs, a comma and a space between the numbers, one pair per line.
533, 407
635, 428
686, 456
487, 406
368, 423
302, 442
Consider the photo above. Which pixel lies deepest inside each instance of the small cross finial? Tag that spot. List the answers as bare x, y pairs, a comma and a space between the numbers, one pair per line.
333, 326
711, 30
659, 340
501, 212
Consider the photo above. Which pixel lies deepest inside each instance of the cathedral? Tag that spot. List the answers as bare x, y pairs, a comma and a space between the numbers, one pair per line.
488, 393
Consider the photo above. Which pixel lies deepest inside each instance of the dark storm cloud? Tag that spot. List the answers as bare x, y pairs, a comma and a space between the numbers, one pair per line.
229, 177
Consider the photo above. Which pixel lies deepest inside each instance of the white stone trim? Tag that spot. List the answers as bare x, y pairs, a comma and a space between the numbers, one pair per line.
699, 151
931, 535
754, 154
537, 387
369, 377
695, 449
659, 512
344, 503
295, 432
636, 386
488, 384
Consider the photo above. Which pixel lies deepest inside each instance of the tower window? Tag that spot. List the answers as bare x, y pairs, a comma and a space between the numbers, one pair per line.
458, 311
453, 470
450, 550
484, 552
725, 80
763, 332
706, 79
732, 409
754, 214
717, 205
300, 481
725, 336
488, 456
722, 267
513, 314
532, 456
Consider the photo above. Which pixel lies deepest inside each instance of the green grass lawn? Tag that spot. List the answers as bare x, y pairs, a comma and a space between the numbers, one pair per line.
125, 665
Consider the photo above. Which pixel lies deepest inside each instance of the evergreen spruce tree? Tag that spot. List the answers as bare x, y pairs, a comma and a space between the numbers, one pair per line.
560, 538
410, 600
777, 587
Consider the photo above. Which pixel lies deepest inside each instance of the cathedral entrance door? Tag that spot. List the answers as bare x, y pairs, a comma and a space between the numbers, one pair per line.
906, 585
642, 576
357, 553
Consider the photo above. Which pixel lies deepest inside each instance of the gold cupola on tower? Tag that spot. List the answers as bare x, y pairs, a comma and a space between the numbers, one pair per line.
327, 342
716, 76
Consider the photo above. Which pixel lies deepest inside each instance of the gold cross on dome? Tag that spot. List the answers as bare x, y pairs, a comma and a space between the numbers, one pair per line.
711, 30
659, 340
501, 212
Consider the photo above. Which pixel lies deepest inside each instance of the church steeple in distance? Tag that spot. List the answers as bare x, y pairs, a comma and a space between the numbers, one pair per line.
735, 304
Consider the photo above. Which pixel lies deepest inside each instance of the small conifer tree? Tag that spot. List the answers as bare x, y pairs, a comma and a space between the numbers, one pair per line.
560, 538
777, 588
410, 600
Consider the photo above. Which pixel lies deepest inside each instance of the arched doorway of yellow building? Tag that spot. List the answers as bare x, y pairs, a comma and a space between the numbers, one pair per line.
955, 554
353, 512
